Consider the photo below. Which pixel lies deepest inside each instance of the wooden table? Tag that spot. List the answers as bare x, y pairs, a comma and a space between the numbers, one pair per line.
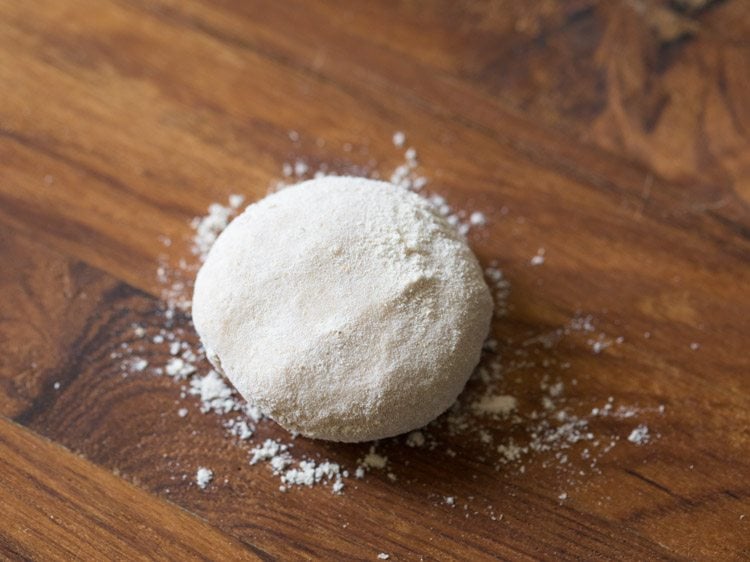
615, 134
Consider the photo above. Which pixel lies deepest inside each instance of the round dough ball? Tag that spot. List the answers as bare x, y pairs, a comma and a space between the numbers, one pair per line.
345, 308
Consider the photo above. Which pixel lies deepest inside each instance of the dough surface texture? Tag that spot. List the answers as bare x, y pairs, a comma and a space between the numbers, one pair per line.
345, 308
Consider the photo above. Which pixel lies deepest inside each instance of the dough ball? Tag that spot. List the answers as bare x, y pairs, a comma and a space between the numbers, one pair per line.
345, 308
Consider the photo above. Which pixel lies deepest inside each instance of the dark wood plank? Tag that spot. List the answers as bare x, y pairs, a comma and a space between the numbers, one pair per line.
58, 506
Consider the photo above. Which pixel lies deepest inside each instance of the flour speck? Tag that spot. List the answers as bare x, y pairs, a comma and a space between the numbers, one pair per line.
538, 259
203, 477
639, 435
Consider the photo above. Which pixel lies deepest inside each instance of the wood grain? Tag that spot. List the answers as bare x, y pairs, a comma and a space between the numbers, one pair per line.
92, 412
57, 506
616, 135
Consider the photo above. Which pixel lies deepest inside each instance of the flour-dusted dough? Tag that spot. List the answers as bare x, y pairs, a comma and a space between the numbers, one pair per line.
345, 308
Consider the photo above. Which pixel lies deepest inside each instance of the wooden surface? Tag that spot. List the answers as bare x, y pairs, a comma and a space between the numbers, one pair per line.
617, 135
58, 505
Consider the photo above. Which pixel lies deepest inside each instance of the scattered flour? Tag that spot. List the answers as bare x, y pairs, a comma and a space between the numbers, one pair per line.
215, 394
374, 460
267, 451
500, 288
178, 368
297, 473
308, 473
240, 428
208, 228
547, 424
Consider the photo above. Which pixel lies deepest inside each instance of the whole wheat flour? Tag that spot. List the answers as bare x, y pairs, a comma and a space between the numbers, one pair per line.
345, 308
